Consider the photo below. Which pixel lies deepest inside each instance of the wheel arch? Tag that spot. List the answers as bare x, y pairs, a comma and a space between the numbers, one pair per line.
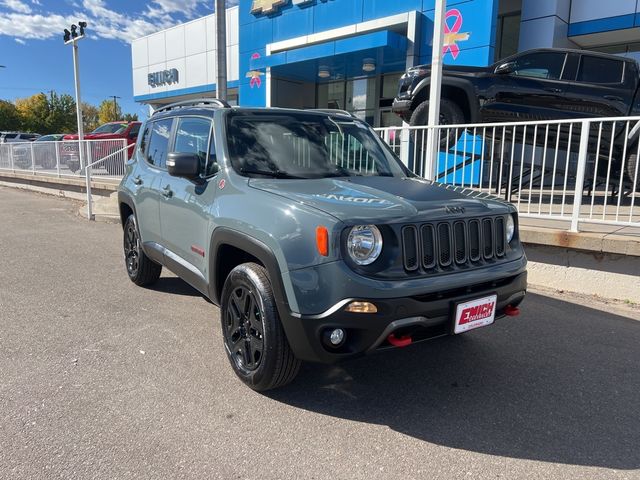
126, 207
456, 90
230, 248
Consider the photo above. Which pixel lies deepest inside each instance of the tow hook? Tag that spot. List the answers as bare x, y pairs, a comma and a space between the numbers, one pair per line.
403, 341
511, 311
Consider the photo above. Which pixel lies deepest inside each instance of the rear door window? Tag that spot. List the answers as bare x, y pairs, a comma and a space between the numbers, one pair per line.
600, 70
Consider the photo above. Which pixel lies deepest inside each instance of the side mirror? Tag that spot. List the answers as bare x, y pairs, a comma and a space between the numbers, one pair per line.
505, 68
185, 165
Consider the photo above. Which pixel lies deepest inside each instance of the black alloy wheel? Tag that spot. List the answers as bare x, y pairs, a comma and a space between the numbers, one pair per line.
141, 269
244, 331
131, 249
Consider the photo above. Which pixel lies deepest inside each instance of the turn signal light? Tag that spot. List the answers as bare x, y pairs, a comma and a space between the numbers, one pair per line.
322, 241
361, 307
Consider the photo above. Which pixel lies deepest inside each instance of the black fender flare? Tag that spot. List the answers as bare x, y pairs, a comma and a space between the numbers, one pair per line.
465, 86
124, 197
227, 236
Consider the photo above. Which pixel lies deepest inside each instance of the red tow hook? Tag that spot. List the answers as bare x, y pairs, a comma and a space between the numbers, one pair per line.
511, 311
400, 342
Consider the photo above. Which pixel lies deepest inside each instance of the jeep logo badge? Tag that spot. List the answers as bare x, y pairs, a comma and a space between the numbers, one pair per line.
454, 210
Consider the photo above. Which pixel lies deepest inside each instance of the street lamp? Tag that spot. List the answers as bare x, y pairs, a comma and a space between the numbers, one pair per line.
72, 38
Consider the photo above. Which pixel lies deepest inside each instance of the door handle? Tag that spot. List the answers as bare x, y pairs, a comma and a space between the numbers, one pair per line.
166, 192
613, 98
137, 180
553, 90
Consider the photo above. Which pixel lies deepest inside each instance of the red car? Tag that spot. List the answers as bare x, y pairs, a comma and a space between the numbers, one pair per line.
108, 131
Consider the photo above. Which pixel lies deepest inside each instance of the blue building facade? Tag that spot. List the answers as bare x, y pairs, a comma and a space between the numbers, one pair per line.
349, 54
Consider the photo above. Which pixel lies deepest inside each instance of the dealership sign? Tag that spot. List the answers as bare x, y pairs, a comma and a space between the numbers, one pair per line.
164, 77
272, 6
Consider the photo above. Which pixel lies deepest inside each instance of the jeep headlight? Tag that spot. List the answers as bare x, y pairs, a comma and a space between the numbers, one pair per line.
364, 244
511, 228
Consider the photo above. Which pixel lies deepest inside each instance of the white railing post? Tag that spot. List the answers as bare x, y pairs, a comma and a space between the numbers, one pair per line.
582, 166
405, 146
87, 174
13, 167
33, 159
58, 146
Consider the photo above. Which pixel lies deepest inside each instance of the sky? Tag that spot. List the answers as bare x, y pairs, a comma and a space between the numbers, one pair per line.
37, 60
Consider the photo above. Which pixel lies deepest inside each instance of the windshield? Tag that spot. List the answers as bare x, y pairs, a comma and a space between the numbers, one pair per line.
111, 128
306, 145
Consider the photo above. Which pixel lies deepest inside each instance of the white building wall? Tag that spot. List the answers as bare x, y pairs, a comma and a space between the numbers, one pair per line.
191, 49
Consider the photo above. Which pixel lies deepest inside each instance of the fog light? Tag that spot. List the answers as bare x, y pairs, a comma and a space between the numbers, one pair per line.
361, 307
336, 337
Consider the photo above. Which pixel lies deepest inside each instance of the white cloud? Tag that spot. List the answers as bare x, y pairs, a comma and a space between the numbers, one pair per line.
16, 6
20, 41
103, 22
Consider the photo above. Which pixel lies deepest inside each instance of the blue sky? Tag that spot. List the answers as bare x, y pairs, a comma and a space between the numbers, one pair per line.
36, 59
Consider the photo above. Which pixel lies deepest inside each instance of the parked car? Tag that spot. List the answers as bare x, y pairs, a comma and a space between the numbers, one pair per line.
542, 84
108, 131
13, 137
313, 238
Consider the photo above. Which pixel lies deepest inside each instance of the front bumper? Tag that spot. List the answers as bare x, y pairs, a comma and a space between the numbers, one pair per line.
424, 317
401, 107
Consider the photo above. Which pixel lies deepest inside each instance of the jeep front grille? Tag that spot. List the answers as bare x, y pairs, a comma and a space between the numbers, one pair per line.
453, 244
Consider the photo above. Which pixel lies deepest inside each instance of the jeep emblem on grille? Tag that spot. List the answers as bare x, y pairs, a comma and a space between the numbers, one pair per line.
454, 210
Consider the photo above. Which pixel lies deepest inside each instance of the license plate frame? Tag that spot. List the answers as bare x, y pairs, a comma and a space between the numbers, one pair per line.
471, 308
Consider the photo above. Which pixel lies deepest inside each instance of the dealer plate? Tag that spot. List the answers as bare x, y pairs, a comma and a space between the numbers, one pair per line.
475, 314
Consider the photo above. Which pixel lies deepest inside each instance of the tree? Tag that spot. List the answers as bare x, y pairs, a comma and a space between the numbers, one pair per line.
109, 111
34, 111
90, 118
62, 114
9, 116
130, 117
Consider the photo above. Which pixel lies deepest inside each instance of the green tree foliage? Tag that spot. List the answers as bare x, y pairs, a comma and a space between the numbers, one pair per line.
62, 114
9, 116
109, 112
90, 120
130, 117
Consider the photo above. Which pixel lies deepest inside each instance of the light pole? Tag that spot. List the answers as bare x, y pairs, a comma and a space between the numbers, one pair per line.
115, 107
221, 38
436, 88
72, 38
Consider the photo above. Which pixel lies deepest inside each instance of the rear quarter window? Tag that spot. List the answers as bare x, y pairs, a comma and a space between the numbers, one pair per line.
600, 70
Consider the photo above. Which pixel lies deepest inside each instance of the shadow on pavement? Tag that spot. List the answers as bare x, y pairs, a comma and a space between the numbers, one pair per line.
175, 286
560, 384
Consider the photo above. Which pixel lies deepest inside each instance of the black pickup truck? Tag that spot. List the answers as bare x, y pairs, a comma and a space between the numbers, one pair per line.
541, 84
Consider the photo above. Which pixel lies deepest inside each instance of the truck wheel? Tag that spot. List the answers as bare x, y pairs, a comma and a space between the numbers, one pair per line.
450, 114
255, 342
141, 269
632, 169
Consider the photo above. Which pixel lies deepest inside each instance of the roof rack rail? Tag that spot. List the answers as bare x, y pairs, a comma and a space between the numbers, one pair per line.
193, 102
332, 110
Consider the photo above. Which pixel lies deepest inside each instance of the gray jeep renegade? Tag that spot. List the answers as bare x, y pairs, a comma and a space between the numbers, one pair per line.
312, 237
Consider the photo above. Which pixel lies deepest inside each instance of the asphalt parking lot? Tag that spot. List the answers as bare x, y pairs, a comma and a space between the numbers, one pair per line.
102, 379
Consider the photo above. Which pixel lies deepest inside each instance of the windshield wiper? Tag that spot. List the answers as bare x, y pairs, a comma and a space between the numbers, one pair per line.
269, 173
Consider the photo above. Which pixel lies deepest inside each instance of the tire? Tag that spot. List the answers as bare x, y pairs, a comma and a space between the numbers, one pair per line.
632, 169
254, 340
450, 114
141, 269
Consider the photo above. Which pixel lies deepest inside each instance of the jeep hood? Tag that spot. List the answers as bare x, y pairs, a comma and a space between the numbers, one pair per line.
381, 199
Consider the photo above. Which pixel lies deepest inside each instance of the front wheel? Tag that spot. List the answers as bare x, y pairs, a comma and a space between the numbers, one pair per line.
450, 114
632, 169
254, 340
141, 269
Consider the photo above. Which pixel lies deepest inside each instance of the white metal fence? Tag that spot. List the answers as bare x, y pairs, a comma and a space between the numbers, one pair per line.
578, 170
106, 158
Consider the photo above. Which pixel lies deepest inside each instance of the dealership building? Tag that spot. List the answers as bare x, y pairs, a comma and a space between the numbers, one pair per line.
349, 54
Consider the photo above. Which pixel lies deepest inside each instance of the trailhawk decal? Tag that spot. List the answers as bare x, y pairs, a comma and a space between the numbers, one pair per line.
338, 198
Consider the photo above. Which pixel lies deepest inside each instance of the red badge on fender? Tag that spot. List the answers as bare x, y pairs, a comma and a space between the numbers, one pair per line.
221, 184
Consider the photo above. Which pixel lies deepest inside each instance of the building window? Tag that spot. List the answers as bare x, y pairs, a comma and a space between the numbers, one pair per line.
507, 35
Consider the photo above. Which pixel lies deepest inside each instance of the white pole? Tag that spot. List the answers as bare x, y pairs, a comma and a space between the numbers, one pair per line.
436, 87
76, 74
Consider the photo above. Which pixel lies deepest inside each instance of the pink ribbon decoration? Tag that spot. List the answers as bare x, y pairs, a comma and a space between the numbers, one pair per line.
254, 75
452, 34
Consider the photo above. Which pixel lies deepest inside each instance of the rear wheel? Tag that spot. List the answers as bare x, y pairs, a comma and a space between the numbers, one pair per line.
141, 269
254, 340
